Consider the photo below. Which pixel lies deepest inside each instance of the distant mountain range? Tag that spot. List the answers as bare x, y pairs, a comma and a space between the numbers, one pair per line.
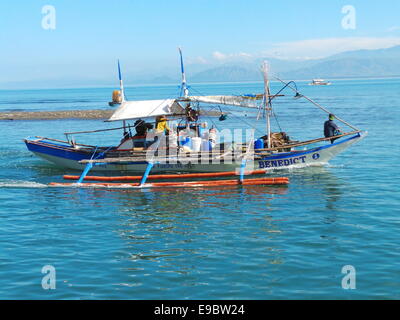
351, 64
360, 63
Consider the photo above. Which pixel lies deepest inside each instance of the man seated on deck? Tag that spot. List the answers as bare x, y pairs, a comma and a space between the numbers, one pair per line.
141, 128
330, 128
161, 130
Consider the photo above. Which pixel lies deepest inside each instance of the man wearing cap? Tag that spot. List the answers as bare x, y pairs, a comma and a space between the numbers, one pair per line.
330, 128
162, 124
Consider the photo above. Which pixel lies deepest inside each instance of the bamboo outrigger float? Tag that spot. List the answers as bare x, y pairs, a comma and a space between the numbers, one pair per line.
142, 184
187, 184
191, 147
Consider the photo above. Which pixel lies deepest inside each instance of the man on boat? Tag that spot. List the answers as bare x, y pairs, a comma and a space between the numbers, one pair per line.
141, 128
330, 128
162, 125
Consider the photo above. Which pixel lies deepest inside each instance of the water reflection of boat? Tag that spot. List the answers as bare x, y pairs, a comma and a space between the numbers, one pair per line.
323, 180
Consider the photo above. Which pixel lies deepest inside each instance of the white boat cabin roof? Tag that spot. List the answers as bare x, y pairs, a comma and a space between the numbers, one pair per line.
129, 110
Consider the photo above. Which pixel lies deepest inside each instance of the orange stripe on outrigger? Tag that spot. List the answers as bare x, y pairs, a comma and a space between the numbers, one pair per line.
165, 176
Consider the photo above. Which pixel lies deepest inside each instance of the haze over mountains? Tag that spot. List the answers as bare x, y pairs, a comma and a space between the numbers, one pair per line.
360, 63
351, 64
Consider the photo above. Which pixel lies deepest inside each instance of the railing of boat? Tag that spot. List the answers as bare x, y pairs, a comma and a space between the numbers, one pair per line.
303, 143
66, 142
140, 155
230, 154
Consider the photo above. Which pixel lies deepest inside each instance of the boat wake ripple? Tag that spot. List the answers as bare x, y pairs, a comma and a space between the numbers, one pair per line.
8, 183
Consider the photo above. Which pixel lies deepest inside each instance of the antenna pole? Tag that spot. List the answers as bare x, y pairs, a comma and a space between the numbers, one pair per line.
267, 101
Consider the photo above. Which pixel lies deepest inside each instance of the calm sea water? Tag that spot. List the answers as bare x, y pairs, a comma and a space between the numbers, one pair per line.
216, 243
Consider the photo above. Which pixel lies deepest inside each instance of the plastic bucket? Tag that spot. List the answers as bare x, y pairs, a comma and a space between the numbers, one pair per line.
205, 145
187, 142
196, 144
258, 144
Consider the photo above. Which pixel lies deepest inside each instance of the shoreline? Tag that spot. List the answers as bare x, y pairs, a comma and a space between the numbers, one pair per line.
68, 114
55, 115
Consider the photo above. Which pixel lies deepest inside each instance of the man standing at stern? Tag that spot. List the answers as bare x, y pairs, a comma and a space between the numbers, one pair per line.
330, 128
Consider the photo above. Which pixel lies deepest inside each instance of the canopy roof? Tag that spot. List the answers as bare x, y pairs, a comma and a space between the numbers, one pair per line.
147, 108
241, 101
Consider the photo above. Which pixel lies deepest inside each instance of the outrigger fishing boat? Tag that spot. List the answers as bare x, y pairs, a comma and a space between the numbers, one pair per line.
190, 146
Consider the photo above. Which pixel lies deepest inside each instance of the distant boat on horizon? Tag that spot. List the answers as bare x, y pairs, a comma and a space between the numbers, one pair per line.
319, 82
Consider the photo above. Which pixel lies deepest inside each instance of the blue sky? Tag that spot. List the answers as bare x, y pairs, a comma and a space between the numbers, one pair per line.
90, 35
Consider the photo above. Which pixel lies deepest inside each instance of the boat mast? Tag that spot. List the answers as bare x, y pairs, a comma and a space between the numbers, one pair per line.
267, 101
121, 84
184, 89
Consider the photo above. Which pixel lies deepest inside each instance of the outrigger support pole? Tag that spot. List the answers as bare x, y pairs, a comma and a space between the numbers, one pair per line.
89, 166
242, 167
146, 173
249, 151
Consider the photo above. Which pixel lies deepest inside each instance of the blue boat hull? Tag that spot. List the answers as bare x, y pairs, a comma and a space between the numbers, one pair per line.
67, 156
